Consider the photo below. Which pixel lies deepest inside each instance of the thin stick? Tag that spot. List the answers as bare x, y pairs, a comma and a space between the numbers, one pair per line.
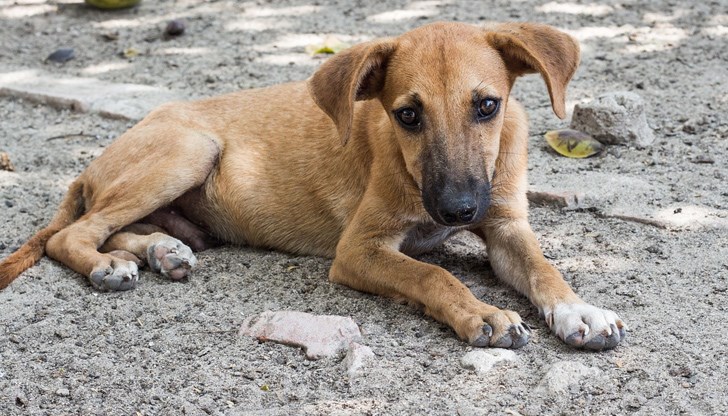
66, 136
210, 332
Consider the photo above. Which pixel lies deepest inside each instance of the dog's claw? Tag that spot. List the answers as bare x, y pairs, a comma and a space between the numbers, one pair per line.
575, 340
516, 337
481, 341
488, 330
596, 343
519, 335
613, 339
484, 339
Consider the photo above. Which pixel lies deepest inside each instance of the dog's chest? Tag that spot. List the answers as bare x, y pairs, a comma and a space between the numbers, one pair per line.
425, 237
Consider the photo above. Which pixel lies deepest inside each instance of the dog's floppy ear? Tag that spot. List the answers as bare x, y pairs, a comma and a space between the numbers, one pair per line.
351, 75
529, 47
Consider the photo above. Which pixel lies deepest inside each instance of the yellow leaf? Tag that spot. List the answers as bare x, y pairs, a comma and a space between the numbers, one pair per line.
331, 45
129, 53
112, 4
573, 143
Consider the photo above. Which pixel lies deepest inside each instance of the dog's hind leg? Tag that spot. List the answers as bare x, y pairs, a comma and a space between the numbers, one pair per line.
145, 169
149, 244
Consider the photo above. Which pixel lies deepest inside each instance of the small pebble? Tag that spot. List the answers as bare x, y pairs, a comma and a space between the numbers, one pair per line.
20, 399
110, 36
62, 55
174, 28
63, 392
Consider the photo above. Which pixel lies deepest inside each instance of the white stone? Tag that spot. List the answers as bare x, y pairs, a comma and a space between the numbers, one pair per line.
122, 101
563, 374
559, 199
482, 361
624, 197
614, 118
319, 335
356, 358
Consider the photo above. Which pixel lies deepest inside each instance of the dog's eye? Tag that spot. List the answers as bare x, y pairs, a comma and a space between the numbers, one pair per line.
487, 108
408, 117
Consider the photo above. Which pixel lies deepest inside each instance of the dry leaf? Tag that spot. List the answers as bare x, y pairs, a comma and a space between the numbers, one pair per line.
129, 53
573, 143
5, 163
331, 45
112, 4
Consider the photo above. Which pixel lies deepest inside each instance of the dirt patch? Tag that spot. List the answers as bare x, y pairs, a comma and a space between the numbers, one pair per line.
168, 348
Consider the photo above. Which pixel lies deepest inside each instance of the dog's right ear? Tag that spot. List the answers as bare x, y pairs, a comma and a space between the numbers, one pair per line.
353, 74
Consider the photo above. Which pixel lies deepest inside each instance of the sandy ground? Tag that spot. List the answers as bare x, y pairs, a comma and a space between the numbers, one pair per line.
173, 348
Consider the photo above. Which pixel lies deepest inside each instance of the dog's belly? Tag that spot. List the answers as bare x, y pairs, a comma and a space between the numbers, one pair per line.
256, 222
425, 237
248, 204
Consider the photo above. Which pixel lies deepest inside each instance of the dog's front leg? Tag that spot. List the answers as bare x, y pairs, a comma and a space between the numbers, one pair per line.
516, 257
368, 259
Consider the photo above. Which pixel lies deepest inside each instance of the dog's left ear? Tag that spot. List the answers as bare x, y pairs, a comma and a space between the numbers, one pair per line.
353, 74
530, 47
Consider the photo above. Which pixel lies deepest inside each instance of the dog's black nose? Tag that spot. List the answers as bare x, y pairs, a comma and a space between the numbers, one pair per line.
459, 214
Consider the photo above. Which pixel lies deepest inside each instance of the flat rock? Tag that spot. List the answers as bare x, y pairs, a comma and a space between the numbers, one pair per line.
614, 118
482, 361
319, 335
558, 199
623, 197
120, 101
356, 358
563, 374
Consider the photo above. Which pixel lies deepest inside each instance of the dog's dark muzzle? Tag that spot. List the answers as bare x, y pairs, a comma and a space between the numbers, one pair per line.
457, 205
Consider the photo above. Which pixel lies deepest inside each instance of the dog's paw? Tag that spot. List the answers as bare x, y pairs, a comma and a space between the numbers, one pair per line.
171, 258
116, 276
586, 326
503, 329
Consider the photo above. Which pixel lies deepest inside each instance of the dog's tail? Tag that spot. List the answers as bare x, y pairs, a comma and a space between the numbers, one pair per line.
30, 252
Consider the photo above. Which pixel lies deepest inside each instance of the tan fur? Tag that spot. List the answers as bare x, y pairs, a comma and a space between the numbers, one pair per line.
322, 167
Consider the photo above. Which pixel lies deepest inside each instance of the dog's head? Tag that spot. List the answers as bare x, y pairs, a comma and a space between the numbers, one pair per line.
445, 87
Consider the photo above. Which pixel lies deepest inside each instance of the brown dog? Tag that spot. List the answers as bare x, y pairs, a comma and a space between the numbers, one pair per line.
390, 148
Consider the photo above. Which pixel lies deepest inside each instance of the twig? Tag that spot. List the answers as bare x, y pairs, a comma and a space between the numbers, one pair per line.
646, 221
66, 136
209, 332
